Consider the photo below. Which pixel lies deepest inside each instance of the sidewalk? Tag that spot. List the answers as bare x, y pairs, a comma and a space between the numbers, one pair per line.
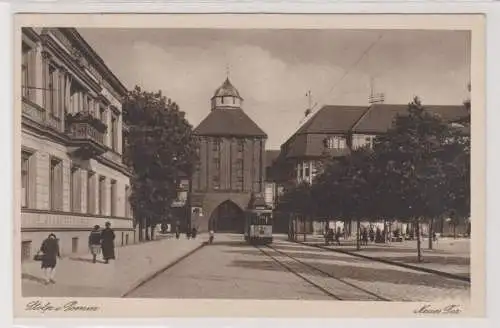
77, 276
448, 256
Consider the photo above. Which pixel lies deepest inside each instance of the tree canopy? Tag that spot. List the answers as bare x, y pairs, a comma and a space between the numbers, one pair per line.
161, 149
418, 169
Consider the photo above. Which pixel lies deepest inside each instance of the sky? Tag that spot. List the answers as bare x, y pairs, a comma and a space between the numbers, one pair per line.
274, 69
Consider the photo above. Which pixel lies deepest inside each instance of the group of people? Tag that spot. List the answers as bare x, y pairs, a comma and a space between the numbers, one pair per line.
366, 235
190, 233
99, 240
332, 235
102, 240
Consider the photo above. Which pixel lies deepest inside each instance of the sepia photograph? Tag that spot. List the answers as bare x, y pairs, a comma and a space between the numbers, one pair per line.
245, 163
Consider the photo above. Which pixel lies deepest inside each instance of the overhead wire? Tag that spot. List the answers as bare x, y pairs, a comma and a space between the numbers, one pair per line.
354, 65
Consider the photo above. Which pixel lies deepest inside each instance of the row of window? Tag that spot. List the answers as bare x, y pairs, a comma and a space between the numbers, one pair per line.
216, 182
239, 174
304, 170
56, 188
216, 146
335, 143
56, 86
238, 165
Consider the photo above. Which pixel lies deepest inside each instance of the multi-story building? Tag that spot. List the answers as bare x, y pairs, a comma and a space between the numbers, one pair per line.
230, 176
271, 188
72, 175
336, 131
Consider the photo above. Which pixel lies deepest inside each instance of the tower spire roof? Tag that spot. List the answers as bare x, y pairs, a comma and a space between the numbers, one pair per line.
227, 89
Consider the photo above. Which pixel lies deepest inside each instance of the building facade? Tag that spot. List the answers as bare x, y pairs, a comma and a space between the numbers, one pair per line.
230, 175
72, 174
336, 131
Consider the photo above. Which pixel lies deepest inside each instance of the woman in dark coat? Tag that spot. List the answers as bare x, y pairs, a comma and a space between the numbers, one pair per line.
50, 253
108, 243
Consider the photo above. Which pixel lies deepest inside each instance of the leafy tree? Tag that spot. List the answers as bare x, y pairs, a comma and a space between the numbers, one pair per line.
417, 156
160, 150
299, 200
345, 188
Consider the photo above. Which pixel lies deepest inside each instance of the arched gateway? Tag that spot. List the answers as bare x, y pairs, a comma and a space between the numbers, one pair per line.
227, 217
231, 167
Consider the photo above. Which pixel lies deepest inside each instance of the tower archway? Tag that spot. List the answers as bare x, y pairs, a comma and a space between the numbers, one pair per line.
227, 217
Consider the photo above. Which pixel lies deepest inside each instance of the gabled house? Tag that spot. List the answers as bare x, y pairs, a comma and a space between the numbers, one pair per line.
336, 131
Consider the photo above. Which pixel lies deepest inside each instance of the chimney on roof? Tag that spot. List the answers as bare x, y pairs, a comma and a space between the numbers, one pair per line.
375, 98
309, 108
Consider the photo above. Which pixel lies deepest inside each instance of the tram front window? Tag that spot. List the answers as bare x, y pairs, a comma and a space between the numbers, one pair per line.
262, 219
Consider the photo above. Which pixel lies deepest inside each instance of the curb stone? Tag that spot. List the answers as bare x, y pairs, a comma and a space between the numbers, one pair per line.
404, 265
154, 274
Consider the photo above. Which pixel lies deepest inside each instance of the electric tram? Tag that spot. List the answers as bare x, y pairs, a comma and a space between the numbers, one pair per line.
259, 225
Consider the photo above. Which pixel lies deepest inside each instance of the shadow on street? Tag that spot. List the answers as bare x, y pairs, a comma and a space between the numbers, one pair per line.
347, 271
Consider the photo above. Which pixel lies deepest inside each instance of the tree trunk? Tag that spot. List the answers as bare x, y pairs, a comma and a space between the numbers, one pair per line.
431, 231
146, 231
358, 235
141, 228
294, 227
390, 232
385, 231
454, 230
153, 232
419, 247
305, 227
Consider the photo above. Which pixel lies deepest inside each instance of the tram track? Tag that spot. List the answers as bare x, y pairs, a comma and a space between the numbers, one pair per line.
391, 263
329, 284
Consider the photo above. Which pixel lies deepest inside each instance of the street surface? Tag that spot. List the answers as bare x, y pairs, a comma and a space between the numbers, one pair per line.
77, 276
232, 269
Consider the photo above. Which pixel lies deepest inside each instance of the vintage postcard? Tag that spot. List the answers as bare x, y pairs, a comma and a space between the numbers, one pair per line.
249, 165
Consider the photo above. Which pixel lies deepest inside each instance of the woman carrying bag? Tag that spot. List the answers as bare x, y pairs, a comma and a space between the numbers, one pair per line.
48, 254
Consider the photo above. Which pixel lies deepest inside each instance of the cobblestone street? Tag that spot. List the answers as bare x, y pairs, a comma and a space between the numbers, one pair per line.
232, 269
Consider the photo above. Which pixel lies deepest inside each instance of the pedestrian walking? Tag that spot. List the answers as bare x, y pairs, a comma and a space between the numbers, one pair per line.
337, 237
95, 242
193, 232
50, 253
365, 237
177, 230
108, 243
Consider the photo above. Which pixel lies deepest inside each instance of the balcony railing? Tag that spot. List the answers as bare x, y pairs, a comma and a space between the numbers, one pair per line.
38, 114
85, 131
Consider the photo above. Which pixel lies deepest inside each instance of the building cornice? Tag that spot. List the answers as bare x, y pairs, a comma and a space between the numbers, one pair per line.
117, 166
86, 215
96, 60
230, 136
69, 62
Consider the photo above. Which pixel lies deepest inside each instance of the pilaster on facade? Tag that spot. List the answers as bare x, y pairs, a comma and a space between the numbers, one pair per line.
66, 169
119, 138
83, 190
107, 197
42, 180
38, 68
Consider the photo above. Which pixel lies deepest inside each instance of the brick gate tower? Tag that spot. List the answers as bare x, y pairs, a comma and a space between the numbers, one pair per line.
231, 172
